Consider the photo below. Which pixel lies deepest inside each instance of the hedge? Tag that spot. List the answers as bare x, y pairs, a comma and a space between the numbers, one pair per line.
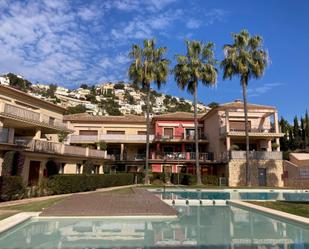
11, 188
184, 179
210, 180
64, 184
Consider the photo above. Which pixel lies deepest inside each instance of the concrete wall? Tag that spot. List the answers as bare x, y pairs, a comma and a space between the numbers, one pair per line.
237, 172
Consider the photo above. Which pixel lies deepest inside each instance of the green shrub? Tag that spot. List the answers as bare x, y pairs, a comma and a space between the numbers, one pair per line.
64, 184
184, 179
88, 168
11, 188
210, 180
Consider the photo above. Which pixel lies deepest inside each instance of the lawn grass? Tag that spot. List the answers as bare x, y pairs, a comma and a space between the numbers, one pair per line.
29, 207
297, 208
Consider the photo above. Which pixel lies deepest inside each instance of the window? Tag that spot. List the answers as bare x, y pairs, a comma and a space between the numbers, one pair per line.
115, 132
168, 132
304, 172
88, 132
51, 121
141, 132
239, 125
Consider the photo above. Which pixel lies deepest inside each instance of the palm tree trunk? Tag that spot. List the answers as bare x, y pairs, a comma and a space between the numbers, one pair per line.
197, 163
147, 136
248, 172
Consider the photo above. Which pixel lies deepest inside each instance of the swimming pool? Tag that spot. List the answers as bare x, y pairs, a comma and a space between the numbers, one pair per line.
198, 226
227, 194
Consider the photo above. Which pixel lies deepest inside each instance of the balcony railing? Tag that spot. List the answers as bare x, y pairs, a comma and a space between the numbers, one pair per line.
62, 149
258, 155
124, 137
23, 113
223, 130
203, 156
179, 137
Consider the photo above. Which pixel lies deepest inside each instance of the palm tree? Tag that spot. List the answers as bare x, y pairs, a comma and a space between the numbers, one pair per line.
197, 65
148, 66
246, 59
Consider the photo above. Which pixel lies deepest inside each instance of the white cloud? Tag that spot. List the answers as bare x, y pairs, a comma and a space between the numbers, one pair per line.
264, 88
193, 24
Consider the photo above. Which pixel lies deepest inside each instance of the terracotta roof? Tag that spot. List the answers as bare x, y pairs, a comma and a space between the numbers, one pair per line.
177, 116
91, 118
238, 104
29, 98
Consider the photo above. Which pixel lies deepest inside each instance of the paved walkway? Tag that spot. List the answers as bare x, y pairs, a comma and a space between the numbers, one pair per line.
139, 202
43, 198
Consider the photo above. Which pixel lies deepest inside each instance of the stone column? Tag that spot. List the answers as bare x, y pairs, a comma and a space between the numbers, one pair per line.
278, 142
121, 151
227, 122
1, 161
269, 148
276, 122
101, 169
228, 143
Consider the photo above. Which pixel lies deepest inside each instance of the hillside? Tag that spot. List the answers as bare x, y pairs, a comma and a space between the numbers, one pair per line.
103, 99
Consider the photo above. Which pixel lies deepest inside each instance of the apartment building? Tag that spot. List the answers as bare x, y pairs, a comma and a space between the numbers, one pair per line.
173, 148
221, 134
224, 126
124, 137
31, 127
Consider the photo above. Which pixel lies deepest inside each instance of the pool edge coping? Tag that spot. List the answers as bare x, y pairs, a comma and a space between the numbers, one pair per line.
273, 212
16, 219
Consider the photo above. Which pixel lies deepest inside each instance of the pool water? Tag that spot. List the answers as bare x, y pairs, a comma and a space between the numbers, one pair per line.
224, 195
195, 227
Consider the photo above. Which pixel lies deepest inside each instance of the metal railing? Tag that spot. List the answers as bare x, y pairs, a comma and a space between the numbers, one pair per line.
258, 155
181, 136
203, 156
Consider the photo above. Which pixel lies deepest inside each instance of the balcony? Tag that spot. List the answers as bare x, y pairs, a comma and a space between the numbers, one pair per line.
24, 114
179, 138
61, 149
123, 138
183, 156
257, 155
253, 132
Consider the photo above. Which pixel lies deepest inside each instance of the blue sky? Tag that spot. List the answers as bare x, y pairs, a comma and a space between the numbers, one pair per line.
73, 42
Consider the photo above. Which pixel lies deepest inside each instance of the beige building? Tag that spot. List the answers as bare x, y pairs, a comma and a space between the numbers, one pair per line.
225, 128
124, 137
31, 128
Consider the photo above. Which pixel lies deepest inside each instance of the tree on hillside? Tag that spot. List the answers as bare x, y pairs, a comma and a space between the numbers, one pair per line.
148, 67
84, 86
76, 109
18, 82
198, 65
52, 88
244, 58
213, 104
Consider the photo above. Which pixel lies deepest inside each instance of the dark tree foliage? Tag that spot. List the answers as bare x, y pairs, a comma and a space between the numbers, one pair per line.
51, 90
19, 83
213, 104
76, 109
84, 86
12, 164
52, 168
119, 86
296, 135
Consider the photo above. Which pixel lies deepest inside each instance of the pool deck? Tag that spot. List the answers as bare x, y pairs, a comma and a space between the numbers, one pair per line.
139, 202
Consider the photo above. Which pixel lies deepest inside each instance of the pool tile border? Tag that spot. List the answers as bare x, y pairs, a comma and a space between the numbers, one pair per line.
272, 212
16, 219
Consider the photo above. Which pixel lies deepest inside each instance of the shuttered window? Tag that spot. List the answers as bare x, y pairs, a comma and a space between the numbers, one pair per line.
115, 132
239, 125
88, 132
